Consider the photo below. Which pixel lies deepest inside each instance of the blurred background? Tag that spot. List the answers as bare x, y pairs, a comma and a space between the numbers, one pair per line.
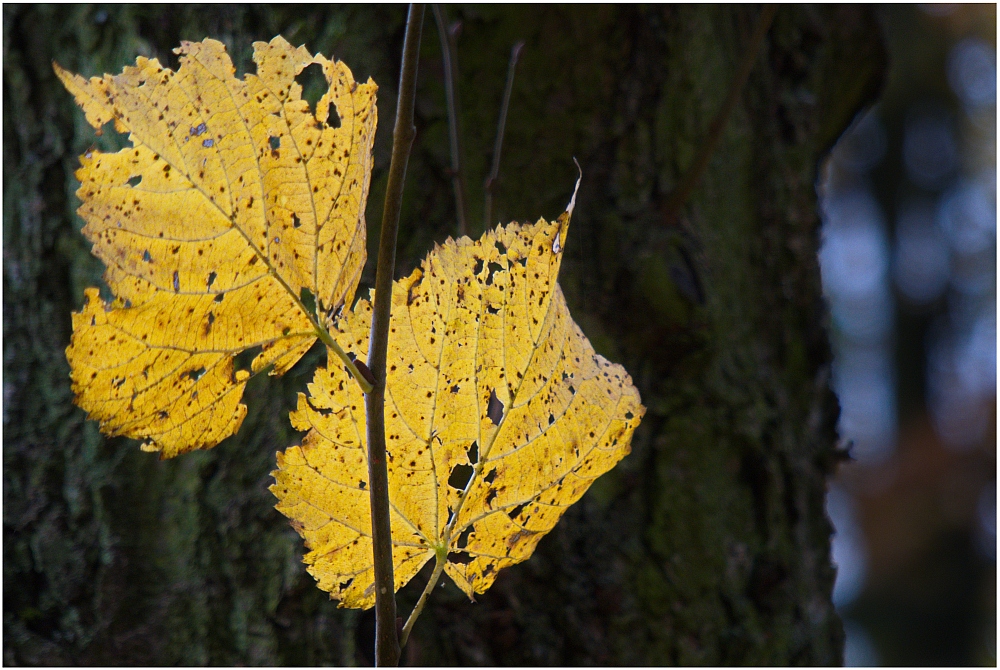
908, 201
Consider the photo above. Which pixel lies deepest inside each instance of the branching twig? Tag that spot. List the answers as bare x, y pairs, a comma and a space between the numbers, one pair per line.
495, 171
683, 191
386, 642
450, 60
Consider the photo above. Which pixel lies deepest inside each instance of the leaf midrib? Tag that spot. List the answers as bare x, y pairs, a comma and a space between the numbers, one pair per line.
485, 449
320, 331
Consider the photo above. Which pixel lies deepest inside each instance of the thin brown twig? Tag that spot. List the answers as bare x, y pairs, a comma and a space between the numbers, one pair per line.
386, 638
683, 191
449, 58
491, 181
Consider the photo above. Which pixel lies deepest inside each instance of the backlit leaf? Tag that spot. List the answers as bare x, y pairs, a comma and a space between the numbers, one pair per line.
499, 415
234, 207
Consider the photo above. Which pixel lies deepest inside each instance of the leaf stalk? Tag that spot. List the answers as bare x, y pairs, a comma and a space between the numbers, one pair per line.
386, 640
441, 551
327, 339
440, 560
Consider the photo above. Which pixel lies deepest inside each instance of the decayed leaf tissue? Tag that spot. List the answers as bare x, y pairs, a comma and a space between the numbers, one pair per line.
499, 416
232, 206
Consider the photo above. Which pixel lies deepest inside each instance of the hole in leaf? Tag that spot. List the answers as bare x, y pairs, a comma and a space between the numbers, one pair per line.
460, 476
552, 419
463, 540
493, 268
628, 416
110, 139
135, 181
195, 375
219, 297
244, 359
362, 484
146, 257
473, 453
500, 247
492, 310
211, 279
346, 585
479, 266
459, 557
314, 85
491, 476
275, 142
494, 410
308, 300
515, 512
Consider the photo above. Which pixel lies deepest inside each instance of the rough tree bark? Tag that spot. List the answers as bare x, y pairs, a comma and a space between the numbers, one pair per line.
708, 544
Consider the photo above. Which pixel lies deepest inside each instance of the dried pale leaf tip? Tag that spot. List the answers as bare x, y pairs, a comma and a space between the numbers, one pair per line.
576, 187
561, 234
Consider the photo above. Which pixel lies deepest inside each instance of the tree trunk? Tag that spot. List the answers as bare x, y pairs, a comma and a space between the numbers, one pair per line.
709, 544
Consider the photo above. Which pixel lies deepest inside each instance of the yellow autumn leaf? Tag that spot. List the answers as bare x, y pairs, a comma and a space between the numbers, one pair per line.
234, 209
499, 415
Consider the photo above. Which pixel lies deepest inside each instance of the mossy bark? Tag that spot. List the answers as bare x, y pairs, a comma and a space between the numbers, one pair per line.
709, 544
